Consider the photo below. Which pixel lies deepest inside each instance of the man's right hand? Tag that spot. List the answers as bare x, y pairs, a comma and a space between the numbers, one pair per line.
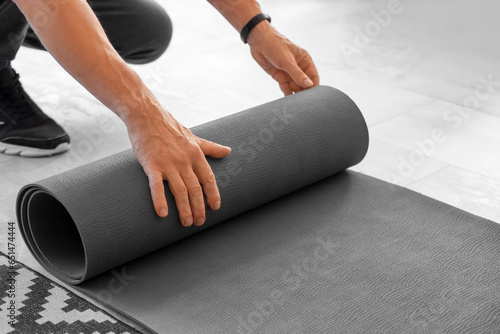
165, 149
169, 151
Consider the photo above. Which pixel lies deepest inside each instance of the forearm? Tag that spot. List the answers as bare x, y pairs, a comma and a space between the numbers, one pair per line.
73, 35
239, 12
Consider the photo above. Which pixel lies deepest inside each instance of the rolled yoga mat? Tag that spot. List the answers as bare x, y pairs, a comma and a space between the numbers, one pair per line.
299, 245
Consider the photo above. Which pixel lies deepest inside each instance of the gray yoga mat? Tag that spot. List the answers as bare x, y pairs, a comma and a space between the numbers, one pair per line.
299, 246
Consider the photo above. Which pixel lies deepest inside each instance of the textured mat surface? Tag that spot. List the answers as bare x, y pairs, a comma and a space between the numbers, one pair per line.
299, 246
44, 307
349, 254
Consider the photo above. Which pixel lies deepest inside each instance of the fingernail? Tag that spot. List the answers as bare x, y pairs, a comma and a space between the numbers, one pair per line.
188, 222
163, 212
200, 221
308, 83
217, 205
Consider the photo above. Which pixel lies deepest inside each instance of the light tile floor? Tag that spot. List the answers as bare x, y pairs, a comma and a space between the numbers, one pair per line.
409, 80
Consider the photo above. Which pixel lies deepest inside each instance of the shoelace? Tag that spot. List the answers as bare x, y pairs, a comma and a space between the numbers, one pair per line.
17, 102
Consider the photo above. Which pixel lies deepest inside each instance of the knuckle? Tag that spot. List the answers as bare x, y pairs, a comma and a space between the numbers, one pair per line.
302, 51
190, 152
195, 150
196, 190
187, 132
179, 190
210, 178
155, 183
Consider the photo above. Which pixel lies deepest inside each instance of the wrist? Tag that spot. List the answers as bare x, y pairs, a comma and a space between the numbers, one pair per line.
135, 103
139, 115
257, 25
262, 32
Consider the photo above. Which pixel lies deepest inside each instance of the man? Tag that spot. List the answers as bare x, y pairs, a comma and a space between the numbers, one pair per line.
135, 31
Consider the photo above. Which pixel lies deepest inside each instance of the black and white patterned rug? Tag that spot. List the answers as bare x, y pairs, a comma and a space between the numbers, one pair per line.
31, 303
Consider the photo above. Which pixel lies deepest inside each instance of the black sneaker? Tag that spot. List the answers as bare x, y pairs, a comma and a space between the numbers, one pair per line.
24, 129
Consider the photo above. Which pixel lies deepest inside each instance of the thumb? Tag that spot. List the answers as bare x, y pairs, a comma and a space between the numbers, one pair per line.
213, 150
300, 78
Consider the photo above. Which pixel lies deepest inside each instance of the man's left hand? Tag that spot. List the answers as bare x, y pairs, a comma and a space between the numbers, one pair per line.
291, 66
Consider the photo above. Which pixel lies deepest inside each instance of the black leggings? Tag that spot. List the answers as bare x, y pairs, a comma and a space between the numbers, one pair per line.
140, 30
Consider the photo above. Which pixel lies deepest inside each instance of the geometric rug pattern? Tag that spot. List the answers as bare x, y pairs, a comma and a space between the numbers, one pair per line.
45, 307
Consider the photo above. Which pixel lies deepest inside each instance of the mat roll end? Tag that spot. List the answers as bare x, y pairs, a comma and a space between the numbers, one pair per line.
51, 234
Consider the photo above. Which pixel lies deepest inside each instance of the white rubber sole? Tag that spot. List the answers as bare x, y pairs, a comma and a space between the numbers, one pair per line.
32, 152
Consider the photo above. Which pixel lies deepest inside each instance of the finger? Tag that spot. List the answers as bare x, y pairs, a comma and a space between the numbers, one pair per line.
180, 192
295, 88
195, 192
283, 80
212, 149
158, 193
310, 69
315, 77
209, 184
285, 88
300, 78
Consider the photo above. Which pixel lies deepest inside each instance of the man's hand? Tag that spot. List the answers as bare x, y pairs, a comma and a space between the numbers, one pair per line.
291, 66
169, 151
165, 149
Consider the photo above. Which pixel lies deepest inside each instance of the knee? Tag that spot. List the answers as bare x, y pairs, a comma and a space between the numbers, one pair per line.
155, 31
